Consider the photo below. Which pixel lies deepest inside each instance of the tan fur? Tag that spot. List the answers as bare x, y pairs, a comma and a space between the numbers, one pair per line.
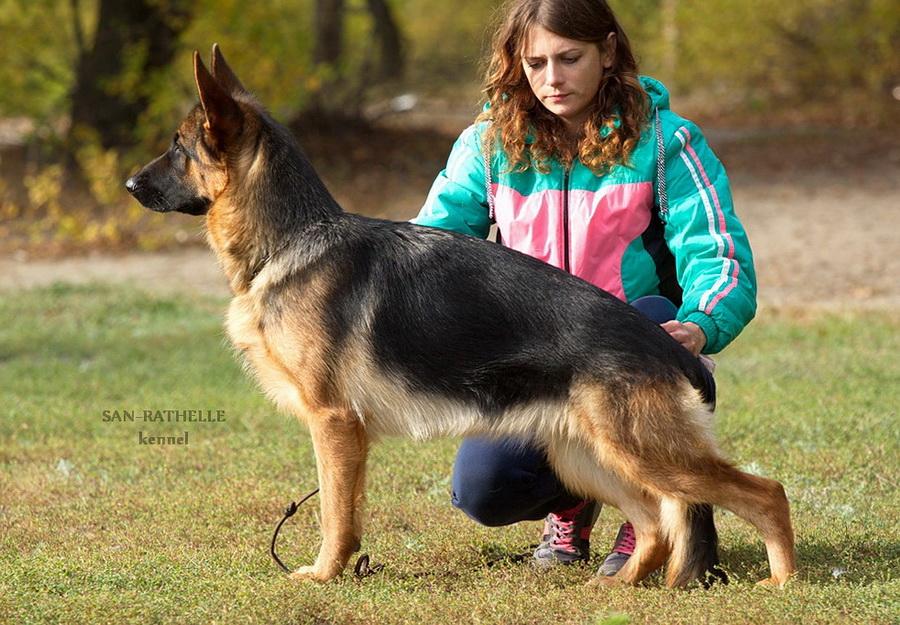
674, 529
230, 233
208, 176
643, 445
288, 358
341, 448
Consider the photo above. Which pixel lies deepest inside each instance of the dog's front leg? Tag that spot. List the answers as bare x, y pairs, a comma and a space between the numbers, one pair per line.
341, 446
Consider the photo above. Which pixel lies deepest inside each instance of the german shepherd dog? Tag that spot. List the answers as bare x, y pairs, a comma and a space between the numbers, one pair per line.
365, 328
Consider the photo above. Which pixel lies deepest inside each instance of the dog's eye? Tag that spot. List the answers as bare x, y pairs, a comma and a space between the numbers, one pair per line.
177, 156
179, 152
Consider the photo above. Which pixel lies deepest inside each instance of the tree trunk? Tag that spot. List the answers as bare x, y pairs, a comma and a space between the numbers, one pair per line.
340, 94
670, 39
391, 63
122, 26
329, 28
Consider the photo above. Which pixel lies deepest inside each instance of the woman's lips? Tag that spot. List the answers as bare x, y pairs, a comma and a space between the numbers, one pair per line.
558, 97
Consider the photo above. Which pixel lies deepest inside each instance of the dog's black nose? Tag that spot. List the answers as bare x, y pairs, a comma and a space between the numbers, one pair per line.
131, 184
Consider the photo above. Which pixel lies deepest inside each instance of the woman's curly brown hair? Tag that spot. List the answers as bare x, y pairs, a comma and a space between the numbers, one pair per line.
516, 114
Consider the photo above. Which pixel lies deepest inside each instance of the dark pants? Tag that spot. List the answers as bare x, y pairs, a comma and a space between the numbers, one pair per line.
507, 481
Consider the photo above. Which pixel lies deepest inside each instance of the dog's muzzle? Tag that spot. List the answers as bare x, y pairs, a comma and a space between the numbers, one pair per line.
149, 197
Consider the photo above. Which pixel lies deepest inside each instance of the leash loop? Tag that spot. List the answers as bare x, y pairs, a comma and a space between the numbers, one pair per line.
290, 511
362, 569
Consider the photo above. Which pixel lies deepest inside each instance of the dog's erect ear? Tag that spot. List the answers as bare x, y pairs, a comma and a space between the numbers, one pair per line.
224, 119
223, 73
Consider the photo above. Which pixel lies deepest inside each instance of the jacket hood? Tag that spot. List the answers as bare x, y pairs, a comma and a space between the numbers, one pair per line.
659, 95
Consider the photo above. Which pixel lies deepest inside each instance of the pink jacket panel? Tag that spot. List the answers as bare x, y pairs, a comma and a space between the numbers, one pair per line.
531, 224
602, 224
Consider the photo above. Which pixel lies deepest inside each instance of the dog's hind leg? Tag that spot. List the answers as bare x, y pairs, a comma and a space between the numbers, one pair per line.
691, 532
577, 467
341, 447
658, 437
651, 550
759, 501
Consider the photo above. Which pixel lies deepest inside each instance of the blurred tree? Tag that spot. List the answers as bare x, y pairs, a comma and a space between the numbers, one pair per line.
833, 47
37, 57
670, 37
337, 64
329, 30
133, 40
445, 40
392, 60
834, 58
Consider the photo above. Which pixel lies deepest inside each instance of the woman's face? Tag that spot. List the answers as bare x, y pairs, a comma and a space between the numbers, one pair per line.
564, 74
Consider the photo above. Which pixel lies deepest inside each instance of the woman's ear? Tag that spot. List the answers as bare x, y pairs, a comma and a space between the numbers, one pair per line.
608, 51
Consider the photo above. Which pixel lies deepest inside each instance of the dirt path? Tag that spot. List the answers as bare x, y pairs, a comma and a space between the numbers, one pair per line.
188, 270
824, 244
821, 214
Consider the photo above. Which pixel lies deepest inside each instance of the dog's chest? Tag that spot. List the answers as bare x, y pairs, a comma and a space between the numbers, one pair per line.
246, 333
242, 324
286, 353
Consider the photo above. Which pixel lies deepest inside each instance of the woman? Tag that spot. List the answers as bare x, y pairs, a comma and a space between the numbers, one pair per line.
580, 163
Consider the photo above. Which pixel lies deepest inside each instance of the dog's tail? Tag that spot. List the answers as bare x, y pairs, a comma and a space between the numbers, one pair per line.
691, 533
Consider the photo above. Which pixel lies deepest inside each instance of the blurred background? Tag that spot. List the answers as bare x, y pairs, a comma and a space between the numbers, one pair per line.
376, 91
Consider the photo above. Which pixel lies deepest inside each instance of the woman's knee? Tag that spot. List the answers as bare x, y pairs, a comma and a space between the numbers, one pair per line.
656, 308
493, 481
477, 499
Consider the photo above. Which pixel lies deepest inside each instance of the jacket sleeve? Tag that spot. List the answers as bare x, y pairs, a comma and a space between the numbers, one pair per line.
713, 260
458, 199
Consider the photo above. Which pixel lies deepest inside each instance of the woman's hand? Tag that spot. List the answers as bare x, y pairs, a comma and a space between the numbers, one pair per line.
690, 335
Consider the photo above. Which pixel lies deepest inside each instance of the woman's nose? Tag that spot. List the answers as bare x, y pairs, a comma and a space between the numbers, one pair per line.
554, 74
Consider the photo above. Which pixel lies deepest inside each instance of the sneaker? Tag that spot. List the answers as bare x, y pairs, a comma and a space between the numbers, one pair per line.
566, 537
622, 549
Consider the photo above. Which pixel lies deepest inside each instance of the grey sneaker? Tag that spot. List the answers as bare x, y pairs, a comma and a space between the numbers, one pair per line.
566, 537
622, 549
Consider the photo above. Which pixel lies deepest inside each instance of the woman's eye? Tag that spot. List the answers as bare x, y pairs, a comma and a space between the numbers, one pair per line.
570, 60
536, 65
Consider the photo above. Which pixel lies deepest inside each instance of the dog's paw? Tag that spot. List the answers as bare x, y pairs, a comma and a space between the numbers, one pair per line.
771, 582
605, 581
311, 574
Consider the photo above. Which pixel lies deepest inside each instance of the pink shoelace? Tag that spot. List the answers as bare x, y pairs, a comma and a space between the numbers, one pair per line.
626, 540
562, 528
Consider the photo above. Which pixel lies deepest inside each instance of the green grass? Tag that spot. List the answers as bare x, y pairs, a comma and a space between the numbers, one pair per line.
95, 528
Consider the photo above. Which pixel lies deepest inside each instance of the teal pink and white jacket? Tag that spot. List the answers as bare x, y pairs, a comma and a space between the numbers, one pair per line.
608, 230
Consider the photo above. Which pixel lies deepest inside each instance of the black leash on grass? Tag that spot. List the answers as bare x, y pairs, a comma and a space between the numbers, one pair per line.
362, 568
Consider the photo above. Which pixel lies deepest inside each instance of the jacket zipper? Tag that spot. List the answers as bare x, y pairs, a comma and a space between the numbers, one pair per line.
566, 221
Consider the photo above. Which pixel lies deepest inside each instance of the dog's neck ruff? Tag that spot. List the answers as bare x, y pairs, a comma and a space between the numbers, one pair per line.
261, 264
249, 231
